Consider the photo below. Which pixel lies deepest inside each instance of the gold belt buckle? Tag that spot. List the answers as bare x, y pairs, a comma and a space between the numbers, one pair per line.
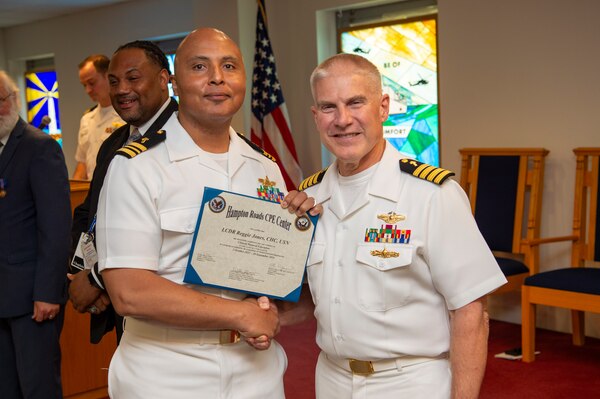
361, 367
229, 337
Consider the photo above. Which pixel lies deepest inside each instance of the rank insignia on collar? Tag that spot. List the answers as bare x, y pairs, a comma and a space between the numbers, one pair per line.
384, 253
268, 191
391, 217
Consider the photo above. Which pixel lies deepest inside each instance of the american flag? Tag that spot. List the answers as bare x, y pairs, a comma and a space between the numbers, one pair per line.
270, 121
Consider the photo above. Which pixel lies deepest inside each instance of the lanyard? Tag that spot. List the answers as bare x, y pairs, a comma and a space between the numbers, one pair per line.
90, 232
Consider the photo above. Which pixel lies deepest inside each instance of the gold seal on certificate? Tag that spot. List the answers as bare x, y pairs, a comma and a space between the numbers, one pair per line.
248, 244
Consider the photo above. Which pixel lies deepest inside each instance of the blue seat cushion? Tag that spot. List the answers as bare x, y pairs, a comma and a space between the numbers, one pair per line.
511, 267
581, 279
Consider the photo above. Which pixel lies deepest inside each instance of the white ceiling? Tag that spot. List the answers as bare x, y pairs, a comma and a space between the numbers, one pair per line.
17, 12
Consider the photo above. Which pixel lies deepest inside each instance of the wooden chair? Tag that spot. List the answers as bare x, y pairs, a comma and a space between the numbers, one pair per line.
576, 287
504, 186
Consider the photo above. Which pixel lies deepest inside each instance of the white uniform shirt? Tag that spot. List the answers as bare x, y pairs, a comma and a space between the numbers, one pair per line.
154, 200
95, 127
372, 308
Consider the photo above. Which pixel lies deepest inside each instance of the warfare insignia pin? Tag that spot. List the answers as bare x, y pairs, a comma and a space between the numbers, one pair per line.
384, 253
391, 217
217, 204
268, 191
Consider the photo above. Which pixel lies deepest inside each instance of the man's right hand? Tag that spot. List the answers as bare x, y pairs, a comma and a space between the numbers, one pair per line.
82, 293
258, 322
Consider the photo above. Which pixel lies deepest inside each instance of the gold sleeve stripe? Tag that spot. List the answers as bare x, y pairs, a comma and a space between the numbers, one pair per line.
434, 174
138, 146
133, 149
426, 171
127, 151
417, 172
311, 180
440, 179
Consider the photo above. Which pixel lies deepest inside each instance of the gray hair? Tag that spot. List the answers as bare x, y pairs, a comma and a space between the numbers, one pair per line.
361, 66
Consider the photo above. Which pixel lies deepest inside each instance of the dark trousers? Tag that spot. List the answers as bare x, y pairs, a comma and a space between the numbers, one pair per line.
30, 357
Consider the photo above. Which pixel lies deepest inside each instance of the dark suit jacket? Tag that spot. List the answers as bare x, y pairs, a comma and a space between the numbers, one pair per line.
35, 219
84, 213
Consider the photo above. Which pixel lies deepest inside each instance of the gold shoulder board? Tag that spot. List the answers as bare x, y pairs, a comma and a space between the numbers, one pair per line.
424, 171
312, 180
256, 147
147, 141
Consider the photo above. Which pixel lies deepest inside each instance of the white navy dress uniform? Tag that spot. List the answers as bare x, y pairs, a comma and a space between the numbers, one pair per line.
95, 127
146, 219
384, 274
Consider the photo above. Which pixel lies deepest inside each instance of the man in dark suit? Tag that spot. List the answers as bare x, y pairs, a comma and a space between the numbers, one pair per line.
138, 76
35, 218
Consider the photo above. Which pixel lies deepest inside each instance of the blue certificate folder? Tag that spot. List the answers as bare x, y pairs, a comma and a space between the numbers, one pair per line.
247, 244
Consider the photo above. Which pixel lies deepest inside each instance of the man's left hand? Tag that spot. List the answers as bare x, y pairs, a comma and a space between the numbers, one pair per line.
44, 311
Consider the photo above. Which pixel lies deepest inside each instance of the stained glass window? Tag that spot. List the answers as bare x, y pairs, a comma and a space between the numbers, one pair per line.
406, 55
41, 94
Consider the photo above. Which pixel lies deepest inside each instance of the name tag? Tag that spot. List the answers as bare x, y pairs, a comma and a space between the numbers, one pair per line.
85, 254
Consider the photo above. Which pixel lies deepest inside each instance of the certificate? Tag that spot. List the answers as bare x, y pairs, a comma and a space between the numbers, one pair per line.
248, 244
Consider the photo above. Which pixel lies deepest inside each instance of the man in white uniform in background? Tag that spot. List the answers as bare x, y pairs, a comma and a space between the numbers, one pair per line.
99, 121
398, 270
180, 341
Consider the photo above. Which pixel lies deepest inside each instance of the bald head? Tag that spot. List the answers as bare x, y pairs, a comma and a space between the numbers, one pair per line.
347, 64
209, 79
208, 36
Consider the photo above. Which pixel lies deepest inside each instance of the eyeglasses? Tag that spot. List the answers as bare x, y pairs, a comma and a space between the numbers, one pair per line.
3, 99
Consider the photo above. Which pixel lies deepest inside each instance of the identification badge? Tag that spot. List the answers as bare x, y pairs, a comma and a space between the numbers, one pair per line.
85, 254
90, 256
77, 262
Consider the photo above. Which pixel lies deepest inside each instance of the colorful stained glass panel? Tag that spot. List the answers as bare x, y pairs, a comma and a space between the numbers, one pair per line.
41, 94
406, 55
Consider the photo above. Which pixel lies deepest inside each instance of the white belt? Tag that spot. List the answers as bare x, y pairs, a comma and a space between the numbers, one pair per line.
366, 367
169, 334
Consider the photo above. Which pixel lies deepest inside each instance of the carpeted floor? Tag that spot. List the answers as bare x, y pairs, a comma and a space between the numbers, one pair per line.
561, 371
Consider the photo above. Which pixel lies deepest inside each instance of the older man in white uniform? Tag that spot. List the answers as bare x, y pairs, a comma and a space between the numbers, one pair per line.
100, 121
398, 268
180, 341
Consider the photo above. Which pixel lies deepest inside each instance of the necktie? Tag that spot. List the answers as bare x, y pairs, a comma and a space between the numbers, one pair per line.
134, 136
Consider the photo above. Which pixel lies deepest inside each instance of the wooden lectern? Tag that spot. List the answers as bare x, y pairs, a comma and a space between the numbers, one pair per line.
84, 365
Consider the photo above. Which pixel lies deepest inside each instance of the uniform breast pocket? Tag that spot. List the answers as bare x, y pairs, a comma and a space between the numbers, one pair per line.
384, 276
314, 269
178, 226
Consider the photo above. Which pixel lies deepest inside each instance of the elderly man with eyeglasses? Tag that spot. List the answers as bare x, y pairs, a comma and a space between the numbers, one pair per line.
34, 250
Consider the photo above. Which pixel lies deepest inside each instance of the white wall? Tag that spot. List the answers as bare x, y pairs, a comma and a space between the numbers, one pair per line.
513, 73
524, 74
